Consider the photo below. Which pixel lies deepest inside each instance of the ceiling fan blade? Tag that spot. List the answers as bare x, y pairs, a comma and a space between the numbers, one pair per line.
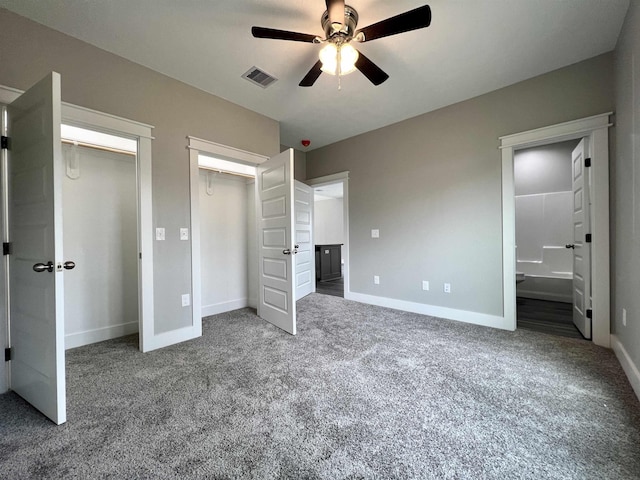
370, 70
262, 32
311, 77
336, 11
405, 22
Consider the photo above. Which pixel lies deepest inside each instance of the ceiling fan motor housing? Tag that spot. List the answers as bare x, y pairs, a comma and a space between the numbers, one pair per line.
345, 32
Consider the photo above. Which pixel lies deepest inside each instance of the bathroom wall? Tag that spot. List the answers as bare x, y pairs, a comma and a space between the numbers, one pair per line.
543, 210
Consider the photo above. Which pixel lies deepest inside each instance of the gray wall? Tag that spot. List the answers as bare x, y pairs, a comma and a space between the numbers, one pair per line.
432, 185
625, 180
102, 81
300, 163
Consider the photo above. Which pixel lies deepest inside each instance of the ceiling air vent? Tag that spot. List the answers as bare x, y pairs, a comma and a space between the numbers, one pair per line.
257, 76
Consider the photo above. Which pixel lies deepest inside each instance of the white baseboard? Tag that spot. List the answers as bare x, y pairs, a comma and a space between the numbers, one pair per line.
73, 340
222, 307
483, 319
631, 369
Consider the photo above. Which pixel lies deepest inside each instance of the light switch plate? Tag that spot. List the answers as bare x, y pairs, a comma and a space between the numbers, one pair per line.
376, 279
425, 285
186, 300
160, 234
375, 233
184, 234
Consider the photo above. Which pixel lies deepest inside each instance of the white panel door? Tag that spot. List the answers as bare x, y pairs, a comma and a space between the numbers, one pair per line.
274, 211
305, 266
581, 249
35, 263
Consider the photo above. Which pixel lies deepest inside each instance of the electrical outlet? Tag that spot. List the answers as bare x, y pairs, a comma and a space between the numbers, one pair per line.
425, 285
186, 300
184, 234
375, 233
160, 234
376, 279
447, 288
624, 317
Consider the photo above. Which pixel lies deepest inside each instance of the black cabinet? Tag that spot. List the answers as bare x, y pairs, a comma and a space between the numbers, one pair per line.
328, 262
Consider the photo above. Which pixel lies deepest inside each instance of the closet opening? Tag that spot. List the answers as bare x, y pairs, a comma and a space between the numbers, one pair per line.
228, 242
100, 234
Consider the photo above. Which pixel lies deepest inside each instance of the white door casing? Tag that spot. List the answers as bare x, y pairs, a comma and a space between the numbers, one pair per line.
595, 129
581, 249
274, 212
305, 258
35, 219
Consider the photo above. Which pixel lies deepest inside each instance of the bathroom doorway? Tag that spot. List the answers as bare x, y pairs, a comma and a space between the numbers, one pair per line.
591, 229
544, 238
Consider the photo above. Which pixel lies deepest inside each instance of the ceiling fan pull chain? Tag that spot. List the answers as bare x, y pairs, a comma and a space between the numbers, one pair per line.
339, 66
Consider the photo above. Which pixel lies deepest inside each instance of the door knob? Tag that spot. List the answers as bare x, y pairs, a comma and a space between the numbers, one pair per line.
42, 267
569, 245
286, 251
69, 265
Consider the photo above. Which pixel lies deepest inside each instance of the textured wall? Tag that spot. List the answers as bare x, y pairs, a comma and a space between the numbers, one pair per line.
101, 81
625, 195
432, 185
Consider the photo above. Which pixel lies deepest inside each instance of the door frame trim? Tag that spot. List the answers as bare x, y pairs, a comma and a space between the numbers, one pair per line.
596, 130
340, 177
107, 123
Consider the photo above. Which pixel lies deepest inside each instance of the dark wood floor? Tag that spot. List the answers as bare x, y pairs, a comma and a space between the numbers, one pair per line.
555, 318
331, 287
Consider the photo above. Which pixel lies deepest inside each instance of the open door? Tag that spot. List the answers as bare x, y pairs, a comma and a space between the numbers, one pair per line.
274, 211
35, 262
305, 258
581, 249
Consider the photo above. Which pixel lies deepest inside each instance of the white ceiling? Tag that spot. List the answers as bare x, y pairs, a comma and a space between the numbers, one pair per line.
472, 47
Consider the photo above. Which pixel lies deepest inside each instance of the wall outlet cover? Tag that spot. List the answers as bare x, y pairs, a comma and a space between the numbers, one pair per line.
186, 300
447, 288
184, 234
624, 317
425, 285
376, 279
375, 233
160, 235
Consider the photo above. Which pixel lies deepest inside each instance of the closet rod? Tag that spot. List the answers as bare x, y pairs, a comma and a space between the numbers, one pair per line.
218, 170
98, 147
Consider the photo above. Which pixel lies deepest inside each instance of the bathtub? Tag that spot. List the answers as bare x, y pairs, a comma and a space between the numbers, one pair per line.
557, 287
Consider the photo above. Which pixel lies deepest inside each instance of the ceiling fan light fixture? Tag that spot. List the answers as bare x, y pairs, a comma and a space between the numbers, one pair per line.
345, 52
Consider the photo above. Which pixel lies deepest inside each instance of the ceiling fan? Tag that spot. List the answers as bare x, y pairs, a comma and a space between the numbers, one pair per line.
339, 23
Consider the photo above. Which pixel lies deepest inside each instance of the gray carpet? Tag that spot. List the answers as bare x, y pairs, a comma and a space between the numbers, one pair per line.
360, 392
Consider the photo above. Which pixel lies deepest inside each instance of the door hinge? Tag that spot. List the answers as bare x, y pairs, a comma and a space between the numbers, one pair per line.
587, 238
7, 354
587, 162
4, 144
6, 248
589, 313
